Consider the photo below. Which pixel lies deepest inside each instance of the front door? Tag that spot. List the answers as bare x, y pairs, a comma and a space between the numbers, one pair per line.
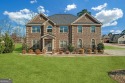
48, 44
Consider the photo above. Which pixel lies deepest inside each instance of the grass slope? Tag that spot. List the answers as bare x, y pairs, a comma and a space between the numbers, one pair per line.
39, 69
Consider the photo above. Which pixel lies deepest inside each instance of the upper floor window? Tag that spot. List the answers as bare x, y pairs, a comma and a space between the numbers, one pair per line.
35, 44
63, 44
79, 29
93, 28
79, 43
63, 29
49, 29
35, 29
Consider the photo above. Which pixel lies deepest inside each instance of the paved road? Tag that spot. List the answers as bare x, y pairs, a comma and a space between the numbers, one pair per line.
115, 52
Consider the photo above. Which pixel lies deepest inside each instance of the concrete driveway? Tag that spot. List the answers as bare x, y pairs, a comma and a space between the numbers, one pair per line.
115, 52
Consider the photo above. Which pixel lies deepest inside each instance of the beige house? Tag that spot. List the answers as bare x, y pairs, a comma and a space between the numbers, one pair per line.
60, 30
121, 40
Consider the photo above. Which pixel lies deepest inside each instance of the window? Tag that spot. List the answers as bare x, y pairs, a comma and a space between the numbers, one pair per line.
49, 29
35, 29
63, 44
63, 29
79, 43
35, 44
79, 29
93, 43
92, 28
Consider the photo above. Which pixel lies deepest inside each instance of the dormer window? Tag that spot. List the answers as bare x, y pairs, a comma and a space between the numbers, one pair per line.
49, 29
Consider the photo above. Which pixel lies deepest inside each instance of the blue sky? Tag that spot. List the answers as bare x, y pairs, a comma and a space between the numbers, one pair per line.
109, 12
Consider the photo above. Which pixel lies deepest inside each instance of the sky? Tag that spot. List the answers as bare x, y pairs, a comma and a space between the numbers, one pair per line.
109, 12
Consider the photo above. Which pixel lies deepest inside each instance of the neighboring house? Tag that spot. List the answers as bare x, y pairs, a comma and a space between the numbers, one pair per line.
16, 38
121, 40
114, 38
59, 30
106, 38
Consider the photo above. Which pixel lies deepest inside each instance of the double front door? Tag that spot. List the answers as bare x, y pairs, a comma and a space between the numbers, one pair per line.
48, 44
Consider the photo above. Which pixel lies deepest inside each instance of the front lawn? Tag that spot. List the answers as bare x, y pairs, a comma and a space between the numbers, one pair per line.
39, 69
113, 48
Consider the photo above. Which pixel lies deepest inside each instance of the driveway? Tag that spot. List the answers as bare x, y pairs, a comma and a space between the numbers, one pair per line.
115, 52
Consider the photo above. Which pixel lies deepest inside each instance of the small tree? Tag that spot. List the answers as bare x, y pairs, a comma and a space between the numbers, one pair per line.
70, 48
25, 47
2, 46
83, 12
8, 42
100, 46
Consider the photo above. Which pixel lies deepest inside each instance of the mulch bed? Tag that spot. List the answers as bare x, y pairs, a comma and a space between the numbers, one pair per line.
118, 75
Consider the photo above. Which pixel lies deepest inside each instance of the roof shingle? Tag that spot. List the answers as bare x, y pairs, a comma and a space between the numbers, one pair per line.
63, 19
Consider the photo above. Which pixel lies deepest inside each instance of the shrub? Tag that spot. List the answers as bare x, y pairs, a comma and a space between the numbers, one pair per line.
2, 46
8, 42
37, 51
81, 51
67, 52
25, 47
70, 48
100, 46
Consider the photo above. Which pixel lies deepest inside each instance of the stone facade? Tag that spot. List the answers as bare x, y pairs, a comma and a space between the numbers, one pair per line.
72, 36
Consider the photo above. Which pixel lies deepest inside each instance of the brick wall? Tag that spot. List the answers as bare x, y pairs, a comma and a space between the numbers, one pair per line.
86, 36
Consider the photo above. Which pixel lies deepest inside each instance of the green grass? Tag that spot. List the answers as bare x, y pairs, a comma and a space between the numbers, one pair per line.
18, 48
113, 48
39, 69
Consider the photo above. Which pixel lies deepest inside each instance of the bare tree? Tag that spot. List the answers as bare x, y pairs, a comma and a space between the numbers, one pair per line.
5, 26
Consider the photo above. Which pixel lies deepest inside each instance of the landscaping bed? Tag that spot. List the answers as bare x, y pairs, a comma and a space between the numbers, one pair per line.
118, 75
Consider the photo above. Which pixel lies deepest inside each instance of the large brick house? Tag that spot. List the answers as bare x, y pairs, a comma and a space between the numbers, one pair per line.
59, 30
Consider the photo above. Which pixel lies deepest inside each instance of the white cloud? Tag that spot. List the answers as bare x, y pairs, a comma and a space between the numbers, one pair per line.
115, 31
70, 7
33, 1
41, 9
108, 17
100, 7
20, 17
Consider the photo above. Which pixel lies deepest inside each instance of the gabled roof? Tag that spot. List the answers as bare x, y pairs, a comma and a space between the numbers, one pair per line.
87, 19
51, 36
38, 20
63, 19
